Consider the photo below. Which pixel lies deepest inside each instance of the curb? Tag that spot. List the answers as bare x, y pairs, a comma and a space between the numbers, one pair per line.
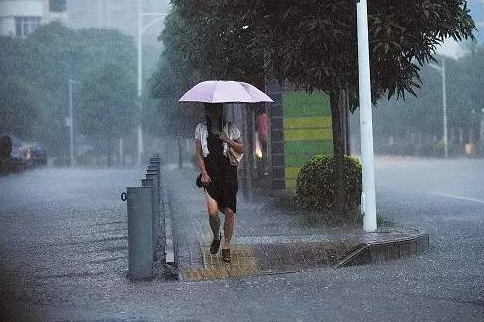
375, 252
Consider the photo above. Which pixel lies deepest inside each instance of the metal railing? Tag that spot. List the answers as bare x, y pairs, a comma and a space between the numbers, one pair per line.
144, 222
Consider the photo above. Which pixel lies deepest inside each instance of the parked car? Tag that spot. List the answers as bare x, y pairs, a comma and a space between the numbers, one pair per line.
33, 155
37, 156
16, 155
17, 160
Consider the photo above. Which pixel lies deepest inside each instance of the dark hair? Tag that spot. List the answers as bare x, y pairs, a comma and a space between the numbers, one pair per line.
207, 119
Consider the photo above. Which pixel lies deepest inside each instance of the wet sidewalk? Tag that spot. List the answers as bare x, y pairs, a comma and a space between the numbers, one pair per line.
268, 240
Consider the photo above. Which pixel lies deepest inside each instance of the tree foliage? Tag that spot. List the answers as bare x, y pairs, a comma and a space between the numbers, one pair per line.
42, 64
107, 101
313, 45
107, 104
423, 114
16, 95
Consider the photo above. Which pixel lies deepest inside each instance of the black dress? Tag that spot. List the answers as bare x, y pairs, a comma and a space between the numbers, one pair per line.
223, 186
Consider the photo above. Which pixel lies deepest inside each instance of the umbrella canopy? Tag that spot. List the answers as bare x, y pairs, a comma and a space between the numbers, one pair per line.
225, 92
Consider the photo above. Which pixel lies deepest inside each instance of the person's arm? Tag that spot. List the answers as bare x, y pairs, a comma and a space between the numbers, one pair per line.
236, 144
201, 164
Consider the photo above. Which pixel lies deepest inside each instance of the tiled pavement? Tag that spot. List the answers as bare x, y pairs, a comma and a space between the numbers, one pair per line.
262, 241
265, 241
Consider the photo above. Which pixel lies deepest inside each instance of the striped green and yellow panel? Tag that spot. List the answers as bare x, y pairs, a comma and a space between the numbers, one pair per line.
307, 130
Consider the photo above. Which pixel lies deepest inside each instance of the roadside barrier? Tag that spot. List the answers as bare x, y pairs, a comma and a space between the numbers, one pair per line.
149, 182
143, 204
140, 230
148, 218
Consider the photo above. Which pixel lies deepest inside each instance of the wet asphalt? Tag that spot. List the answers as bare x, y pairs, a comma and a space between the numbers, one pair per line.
63, 249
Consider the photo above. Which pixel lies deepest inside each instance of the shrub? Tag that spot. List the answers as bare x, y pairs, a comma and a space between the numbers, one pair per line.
315, 184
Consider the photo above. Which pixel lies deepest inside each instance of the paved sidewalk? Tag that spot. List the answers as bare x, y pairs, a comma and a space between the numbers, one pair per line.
266, 239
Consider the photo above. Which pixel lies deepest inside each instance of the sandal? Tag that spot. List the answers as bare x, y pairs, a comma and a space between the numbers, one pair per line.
214, 247
226, 255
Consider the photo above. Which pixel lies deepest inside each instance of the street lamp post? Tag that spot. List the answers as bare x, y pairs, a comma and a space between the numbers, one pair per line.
71, 124
444, 103
142, 29
480, 151
368, 201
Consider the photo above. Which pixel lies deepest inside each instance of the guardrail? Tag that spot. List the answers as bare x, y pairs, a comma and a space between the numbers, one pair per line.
144, 222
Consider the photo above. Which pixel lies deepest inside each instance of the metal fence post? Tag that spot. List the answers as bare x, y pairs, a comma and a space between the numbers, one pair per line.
155, 160
140, 231
155, 172
154, 213
156, 217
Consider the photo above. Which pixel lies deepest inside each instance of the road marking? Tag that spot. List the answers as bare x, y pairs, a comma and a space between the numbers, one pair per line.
458, 197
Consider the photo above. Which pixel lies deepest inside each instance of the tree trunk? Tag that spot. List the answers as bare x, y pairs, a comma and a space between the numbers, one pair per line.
339, 202
345, 121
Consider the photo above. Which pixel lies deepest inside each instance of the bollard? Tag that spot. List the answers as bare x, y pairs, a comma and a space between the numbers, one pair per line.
153, 168
155, 161
157, 208
156, 173
149, 182
156, 156
140, 240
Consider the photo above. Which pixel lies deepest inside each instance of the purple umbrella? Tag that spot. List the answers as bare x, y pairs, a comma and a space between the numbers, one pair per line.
225, 92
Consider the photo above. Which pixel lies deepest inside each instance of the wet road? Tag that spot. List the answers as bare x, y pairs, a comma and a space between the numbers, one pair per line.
63, 251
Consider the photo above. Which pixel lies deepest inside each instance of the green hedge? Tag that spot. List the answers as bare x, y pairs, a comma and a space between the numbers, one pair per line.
315, 184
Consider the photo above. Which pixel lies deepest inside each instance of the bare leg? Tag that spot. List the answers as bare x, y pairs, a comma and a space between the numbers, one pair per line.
228, 227
213, 217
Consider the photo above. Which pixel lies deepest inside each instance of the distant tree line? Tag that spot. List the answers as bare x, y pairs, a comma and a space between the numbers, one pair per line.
415, 126
34, 75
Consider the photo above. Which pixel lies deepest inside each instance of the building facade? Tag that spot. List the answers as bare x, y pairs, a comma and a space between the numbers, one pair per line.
19, 18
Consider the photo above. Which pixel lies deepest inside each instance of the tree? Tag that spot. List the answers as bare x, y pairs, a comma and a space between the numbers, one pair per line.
199, 45
177, 71
470, 83
312, 44
213, 44
107, 107
45, 61
423, 114
18, 106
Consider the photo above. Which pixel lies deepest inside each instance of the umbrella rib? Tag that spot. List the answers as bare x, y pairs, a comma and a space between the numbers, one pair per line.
213, 92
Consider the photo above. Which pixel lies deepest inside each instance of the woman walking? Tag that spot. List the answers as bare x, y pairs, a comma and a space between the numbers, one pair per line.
213, 139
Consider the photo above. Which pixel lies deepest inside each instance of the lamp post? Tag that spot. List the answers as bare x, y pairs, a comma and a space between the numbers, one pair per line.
480, 150
142, 29
368, 201
444, 103
71, 123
